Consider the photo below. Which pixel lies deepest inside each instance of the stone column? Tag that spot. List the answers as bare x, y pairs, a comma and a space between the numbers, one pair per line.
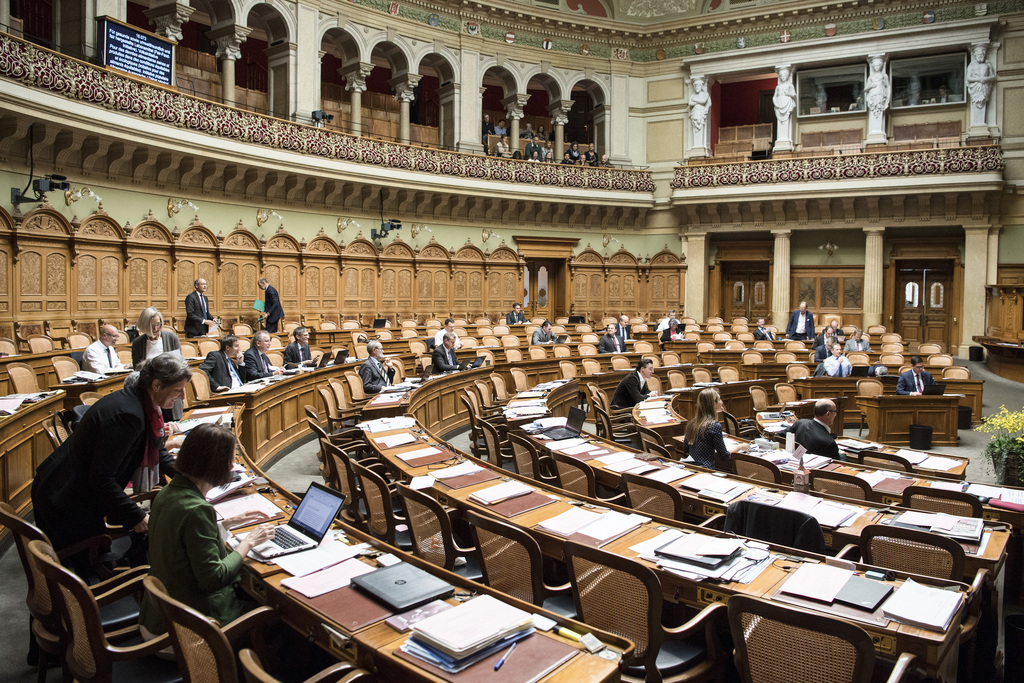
699, 116
876, 99
873, 274
784, 100
404, 86
976, 248
780, 280
559, 111
601, 116
696, 275
514, 104
228, 39
167, 18
448, 120
992, 276
280, 79
355, 83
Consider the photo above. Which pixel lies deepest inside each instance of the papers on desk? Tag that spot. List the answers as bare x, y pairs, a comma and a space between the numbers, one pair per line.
873, 478
1015, 496
612, 525
533, 402
775, 427
327, 554
612, 458
543, 423
656, 416
530, 394
985, 490
743, 568
562, 444
517, 412
817, 582
389, 398
395, 440
417, 454
250, 388
421, 482
855, 445
961, 528
580, 449
828, 513
923, 606
240, 479
652, 403
946, 485
569, 522
721, 489
329, 579
247, 505
934, 462
193, 422
84, 376
385, 424
631, 465
9, 404
913, 457
456, 470
504, 491
667, 475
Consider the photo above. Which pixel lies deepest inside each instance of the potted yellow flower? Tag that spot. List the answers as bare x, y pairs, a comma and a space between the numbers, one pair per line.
1006, 449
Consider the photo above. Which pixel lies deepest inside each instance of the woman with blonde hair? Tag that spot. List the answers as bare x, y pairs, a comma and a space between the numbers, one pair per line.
153, 339
703, 439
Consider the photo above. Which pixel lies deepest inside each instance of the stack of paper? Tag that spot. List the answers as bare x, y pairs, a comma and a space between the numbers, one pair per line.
409, 456
612, 525
326, 580
716, 488
456, 470
631, 465
667, 475
385, 424
828, 513
246, 506
569, 522
817, 582
873, 478
923, 606
934, 462
962, 528
395, 440
562, 444
239, 479
913, 457
496, 494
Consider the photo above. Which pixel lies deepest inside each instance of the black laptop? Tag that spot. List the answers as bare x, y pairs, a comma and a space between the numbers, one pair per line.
934, 390
859, 370
380, 323
402, 586
576, 319
562, 338
573, 426
427, 372
470, 364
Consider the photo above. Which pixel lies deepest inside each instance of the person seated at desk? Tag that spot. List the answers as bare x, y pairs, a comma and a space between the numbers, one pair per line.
913, 381
515, 316
257, 364
816, 435
449, 328
857, 343
824, 350
837, 365
543, 334
226, 368
878, 370
610, 342
100, 355
444, 358
703, 440
298, 352
671, 333
81, 485
186, 550
801, 323
830, 330
762, 333
633, 387
376, 371
153, 339
663, 323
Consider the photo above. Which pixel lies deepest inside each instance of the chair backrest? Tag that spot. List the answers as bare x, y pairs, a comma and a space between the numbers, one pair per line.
200, 384
568, 369
202, 650
869, 387
64, 366
379, 506
764, 345
785, 393
513, 356
208, 345
79, 340
469, 342
621, 363
956, 372
670, 358
759, 397
776, 642
39, 601
721, 337
537, 353
241, 330
654, 384
429, 526
705, 347
840, 484
752, 357
189, 350
677, 379
775, 525
355, 386
727, 373
643, 347
692, 335
500, 330
574, 475
796, 371
409, 333
39, 343
510, 558
276, 359
890, 359
582, 328
753, 467
910, 550
589, 338
562, 351
342, 477
928, 349
509, 340
939, 360
525, 456
957, 503
654, 358
886, 461
889, 337
591, 366
89, 397
275, 342
858, 358
522, 383
794, 345
586, 350
785, 357
288, 328
654, 497
23, 378
701, 375
8, 346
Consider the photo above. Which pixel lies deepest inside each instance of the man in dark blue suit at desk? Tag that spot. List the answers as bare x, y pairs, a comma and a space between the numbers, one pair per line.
444, 358
226, 368
516, 316
913, 381
801, 323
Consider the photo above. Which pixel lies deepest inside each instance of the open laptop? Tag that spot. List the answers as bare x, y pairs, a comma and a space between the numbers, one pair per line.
427, 372
576, 320
934, 390
325, 360
308, 525
573, 426
468, 364
562, 338
859, 370
341, 357
402, 586
380, 323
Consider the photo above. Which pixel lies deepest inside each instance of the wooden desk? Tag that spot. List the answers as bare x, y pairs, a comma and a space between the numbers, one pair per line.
827, 387
23, 446
735, 396
889, 417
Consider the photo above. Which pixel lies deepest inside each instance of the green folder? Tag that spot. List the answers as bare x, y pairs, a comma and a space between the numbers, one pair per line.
259, 305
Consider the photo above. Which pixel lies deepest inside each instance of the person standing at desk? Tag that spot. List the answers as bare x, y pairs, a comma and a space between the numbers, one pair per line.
80, 486
762, 333
515, 316
543, 334
801, 323
444, 358
153, 339
449, 328
858, 342
623, 329
271, 305
257, 364
198, 319
100, 355
816, 435
633, 387
376, 371
610, 342
703, 440
298, 352
837, 365
913, 381
226, 368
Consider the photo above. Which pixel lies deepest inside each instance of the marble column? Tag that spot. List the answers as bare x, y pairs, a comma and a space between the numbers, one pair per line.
280, 79
228, 39
696, 275
514, 104
355, 83
447, 124
404, 86
992, 276
976, 267
559, 111
780, 280
167, 18
871, 302
601, 116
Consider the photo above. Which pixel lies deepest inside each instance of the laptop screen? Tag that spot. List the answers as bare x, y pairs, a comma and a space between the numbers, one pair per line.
379, 323
934, 389
317, 510
341, 357
575, 420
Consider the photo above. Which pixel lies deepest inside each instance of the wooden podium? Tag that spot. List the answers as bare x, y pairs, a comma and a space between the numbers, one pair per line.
889, 417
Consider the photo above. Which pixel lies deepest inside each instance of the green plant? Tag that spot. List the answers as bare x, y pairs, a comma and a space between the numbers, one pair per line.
1006, 449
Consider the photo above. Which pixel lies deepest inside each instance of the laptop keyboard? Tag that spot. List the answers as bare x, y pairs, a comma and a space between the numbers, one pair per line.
287, 539
561, 433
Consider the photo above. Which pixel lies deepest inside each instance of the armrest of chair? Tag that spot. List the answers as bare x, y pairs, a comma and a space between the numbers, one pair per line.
261, 616
851, 551
974, 605
149, 647
120, 585
902, 667
342, 671
712, 620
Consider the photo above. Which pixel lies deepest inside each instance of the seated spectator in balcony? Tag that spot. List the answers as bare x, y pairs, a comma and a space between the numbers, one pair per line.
527, 132
549, 152
502, 149
543, 334
487, 129
858, 343
517, 154
444, 358
449, 328
604, 163
531, 147
501, 128
566, 160
226, 368
590, 157
574, 153
610, 342
535, 156
542, 134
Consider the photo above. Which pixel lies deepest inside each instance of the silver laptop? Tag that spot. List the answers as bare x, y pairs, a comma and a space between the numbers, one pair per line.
308, 525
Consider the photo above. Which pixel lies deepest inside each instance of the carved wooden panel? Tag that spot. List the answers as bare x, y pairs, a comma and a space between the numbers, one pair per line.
834, 289
5, 289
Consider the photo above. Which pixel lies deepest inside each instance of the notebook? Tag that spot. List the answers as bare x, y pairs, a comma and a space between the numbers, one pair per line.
403, 586
934, 390
573, 426
865, 594
308, 525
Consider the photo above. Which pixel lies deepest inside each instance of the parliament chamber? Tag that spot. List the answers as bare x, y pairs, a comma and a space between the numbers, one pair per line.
860, 159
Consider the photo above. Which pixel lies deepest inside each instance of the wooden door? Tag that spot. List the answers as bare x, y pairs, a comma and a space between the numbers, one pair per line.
746, 290
542, 282
924, 302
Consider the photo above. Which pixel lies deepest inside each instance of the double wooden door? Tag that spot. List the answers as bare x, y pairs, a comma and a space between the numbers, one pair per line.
746, 290
924, 301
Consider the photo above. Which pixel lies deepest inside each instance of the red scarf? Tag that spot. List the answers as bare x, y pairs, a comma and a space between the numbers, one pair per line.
155, 429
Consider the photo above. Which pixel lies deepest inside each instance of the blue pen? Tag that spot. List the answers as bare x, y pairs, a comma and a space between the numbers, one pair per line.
505, 656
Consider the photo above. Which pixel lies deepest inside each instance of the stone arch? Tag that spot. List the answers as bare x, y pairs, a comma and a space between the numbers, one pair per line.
342, 42
396, 54
220, 12
273, 17
445, 63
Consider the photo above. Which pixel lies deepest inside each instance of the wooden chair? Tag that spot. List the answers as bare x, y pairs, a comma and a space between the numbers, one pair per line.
701, 375
652, 497
654, 358
654, 384
867, 387
189, 350
578, 477
241, 330
432, 536
200, 383
928, 349
616, 593
500, 330
795, 346
79, 340
670, 358
875, 329
727, 373
796, 371
537, 353
591, 366
858, 358
8, 347
586, 350
913, 551
776, 642
64, 366
753, 467
764, 345
87, 654
489, 340
208, 345
568, 369
276, 358
275, 342
620, 363
497, 446
885, 461
890, 359
759, 398
956, 503
939, 360
956, 372
382, 521
652, 443
785, 357
513, 356
500, 391
890, 338
705, 347
477, 445
614, 424
520, 379
40, 343
677, 379
89, 397
785, 393
839, 484
692, 335
409, 333
526, 459
722, 337
643, 347
469, 342
23, 378
589, 338
752, 357
562, 351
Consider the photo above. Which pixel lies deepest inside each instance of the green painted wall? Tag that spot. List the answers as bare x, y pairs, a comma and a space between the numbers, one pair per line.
1011, 244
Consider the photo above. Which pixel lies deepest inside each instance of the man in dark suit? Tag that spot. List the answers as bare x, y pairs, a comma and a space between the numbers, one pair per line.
376, 371
633, 387
226, 368
515, 317
298, 352
801, 323
444, 358
610, 343
198, 318
271, 305
816, 435
256, 362
832, 330
825, 349
762, 333
913, 381
622, 329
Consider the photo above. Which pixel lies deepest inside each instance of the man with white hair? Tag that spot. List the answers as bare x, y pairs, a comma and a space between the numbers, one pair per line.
256, 360
376, 371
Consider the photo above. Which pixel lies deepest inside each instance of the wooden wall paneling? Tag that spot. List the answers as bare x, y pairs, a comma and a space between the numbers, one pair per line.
43, 275
1010, 274
194, 257
468, 282
320, 259
434, 279
6, 276
666, 281
359, 278
397, 272
830, 289
149, 269
504, 277
99, 268
281, 265
239, 274
1005, 311
588, 276
623, 277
